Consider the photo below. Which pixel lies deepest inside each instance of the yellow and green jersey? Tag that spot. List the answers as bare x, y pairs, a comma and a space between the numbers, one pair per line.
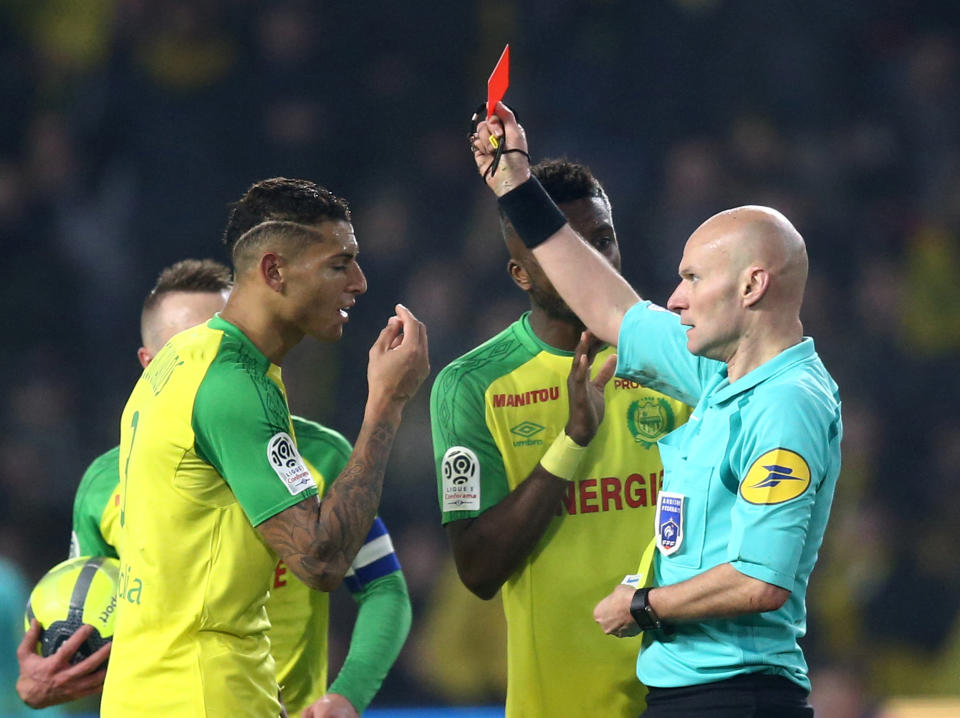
494, 412
206, 454
299, 616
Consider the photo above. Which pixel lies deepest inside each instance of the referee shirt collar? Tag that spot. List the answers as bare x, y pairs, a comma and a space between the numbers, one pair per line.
802, 351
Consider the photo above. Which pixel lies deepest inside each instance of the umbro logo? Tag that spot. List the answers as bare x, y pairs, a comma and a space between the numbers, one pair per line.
526, 429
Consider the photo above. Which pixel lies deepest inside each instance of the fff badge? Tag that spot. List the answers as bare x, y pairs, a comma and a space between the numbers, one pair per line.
669, 522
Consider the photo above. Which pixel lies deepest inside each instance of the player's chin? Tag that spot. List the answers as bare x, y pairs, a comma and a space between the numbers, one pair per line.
330, 333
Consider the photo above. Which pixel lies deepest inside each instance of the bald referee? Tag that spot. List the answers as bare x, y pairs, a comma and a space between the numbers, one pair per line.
748, 481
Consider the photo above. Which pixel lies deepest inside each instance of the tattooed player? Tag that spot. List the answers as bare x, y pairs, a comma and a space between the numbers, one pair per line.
213, 487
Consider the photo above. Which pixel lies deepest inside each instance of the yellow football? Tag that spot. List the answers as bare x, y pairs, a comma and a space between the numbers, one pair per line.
77, 591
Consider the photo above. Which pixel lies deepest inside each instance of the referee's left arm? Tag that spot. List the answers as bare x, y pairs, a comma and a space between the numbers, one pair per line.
721, 592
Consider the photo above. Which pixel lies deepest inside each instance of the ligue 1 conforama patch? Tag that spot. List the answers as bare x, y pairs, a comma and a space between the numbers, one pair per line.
286, 461
460, 480
777, 476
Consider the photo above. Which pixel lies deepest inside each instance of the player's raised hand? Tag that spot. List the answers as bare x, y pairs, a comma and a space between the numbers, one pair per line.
514, 166
586, 395
399, 359
53, 680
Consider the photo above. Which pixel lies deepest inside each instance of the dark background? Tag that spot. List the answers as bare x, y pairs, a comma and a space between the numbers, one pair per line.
128, 125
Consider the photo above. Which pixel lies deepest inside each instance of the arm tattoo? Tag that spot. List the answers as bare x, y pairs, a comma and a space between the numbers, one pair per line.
321, 538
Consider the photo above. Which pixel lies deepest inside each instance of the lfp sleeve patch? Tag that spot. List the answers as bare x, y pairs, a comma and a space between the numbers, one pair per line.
286, 461
777, 476
460, 469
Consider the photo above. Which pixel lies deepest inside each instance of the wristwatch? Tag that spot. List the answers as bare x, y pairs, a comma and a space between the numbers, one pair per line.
645, 616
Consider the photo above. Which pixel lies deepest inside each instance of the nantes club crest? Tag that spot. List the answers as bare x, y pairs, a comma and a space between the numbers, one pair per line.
649, 420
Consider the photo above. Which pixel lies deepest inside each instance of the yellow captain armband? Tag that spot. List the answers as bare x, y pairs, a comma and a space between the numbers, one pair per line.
563, 458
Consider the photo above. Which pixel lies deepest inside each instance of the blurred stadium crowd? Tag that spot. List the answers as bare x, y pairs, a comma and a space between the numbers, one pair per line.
128, 125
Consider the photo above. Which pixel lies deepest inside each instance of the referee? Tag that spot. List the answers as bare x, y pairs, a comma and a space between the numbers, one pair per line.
748, 481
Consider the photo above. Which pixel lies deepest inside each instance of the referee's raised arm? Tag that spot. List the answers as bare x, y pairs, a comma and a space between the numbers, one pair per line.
594, 290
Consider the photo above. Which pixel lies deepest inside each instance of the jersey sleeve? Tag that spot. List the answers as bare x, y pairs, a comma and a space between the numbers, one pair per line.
652, 350
783, 462
470, 473
95, 491
242, 424
384, 615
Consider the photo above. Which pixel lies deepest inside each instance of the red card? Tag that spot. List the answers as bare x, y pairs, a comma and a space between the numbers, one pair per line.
499, 81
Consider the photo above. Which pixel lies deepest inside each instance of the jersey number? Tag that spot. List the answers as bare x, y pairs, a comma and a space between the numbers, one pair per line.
126, 466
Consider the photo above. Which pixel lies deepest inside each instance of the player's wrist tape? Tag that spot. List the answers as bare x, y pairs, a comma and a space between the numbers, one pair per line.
645, 616
564, 457
534, 216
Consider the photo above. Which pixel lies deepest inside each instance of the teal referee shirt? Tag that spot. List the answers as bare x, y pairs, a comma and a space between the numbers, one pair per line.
749, 481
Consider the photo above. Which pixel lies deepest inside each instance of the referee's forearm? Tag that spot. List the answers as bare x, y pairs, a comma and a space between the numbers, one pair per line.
721, 592
587, 282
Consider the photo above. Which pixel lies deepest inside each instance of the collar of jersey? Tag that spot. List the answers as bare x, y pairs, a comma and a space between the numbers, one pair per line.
782, 361
219, 323
536, 342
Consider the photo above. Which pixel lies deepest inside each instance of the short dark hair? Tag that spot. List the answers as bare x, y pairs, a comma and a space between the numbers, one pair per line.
293, 237
567, 181
284, 200
189, 275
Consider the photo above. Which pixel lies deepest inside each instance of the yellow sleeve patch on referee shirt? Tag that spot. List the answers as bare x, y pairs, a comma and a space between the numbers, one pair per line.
777, 476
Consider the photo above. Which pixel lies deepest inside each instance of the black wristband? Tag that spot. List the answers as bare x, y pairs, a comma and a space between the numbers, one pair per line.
534, 216
645, 616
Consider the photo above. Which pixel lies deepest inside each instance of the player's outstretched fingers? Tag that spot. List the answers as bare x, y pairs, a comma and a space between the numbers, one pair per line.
594, 343
53, 680
94, 661
68, 649
80, 686
583, 355
606, 372
86, 677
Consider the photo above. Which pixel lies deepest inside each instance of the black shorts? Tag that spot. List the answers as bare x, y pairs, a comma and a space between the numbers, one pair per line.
747, 696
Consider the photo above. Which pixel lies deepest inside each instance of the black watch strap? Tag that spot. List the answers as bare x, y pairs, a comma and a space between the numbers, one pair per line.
644, 615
